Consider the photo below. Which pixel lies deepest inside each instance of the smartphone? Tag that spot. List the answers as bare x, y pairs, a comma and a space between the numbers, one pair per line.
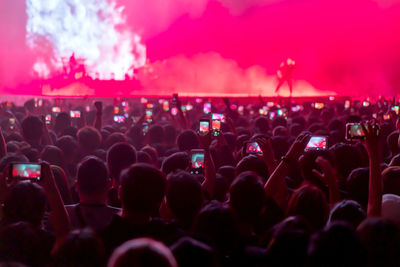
262, 111
317, 143
207, 108
149, 115
204, 126
271, 115
319, 105
48, 118
396, 109
26, 171
174, 99
166, 105
116, 110
12, 123
119, 118
75, 114
124, 104
386, 117
149, 106
366, 104
145, 128
252, 148
241, 110
216, 127
354, 131
197, 161
174, 111
56, 109
216, 116
347, 104
189, 107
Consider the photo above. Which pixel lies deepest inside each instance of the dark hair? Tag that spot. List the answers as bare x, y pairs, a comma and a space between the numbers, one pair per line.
308, 201
184, 197
348, 211
20, 242
357, 186
62, 122
187, 140
189, 252
80, 248
156, 134
382, 240
170, 133
114, 138
68, 146
53, 155
27, 202
177, 161
391, 180
142, 252
216, 222
252, 163
247, 196
92, 176
32, 128
336, 245
119, 157
142, 188
262, 124
89, 138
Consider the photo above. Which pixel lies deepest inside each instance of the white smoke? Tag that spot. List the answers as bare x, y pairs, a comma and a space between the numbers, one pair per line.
93, 29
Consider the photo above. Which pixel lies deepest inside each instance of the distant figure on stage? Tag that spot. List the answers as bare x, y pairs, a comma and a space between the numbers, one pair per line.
285, 74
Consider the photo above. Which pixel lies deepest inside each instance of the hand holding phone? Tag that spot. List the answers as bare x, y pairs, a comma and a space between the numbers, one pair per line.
216, 127
26, 171
317, 143
204, 127
354, 131
252, 148
75, 114
197, 161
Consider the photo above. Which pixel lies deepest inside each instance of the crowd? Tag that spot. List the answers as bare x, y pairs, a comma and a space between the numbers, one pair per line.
139, 182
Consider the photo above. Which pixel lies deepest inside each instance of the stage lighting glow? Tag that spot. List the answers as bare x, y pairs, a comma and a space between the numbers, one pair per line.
94, 29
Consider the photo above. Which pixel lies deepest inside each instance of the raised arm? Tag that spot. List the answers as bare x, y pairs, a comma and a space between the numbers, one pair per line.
58, 214
99, 115
46, 136
329, 177
276, 186
3, 146
210, 176
375, 181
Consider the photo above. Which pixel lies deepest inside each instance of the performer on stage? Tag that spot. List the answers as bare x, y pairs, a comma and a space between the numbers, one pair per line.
284, 74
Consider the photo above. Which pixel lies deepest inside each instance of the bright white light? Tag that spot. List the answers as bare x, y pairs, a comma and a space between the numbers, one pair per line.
93, 29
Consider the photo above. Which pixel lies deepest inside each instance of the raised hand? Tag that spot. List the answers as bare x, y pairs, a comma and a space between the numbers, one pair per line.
205, 140
298, 146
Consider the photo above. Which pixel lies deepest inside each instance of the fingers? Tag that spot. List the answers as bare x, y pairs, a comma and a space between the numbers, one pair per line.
319, 175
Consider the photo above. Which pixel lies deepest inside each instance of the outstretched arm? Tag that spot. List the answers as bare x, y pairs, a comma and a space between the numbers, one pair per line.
209, 168
375, 182
99, 115
276, 186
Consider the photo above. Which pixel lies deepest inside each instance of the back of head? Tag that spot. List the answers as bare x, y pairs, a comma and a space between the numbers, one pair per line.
27, 202
310, 202
357, 186
80, 248
189, 252
68, 146
119, 157
187, 140
156, 134
382, 240
392, 142
262, 125
170, 133
20, 242
62, 121
177, 161
53, 155
89, 138
252, 163
348, 211
142, 252
142, 188
347, 158
184, 196
32, 128
216, 222
247, 196
391, 180
92, 178
115, 138
336, 245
